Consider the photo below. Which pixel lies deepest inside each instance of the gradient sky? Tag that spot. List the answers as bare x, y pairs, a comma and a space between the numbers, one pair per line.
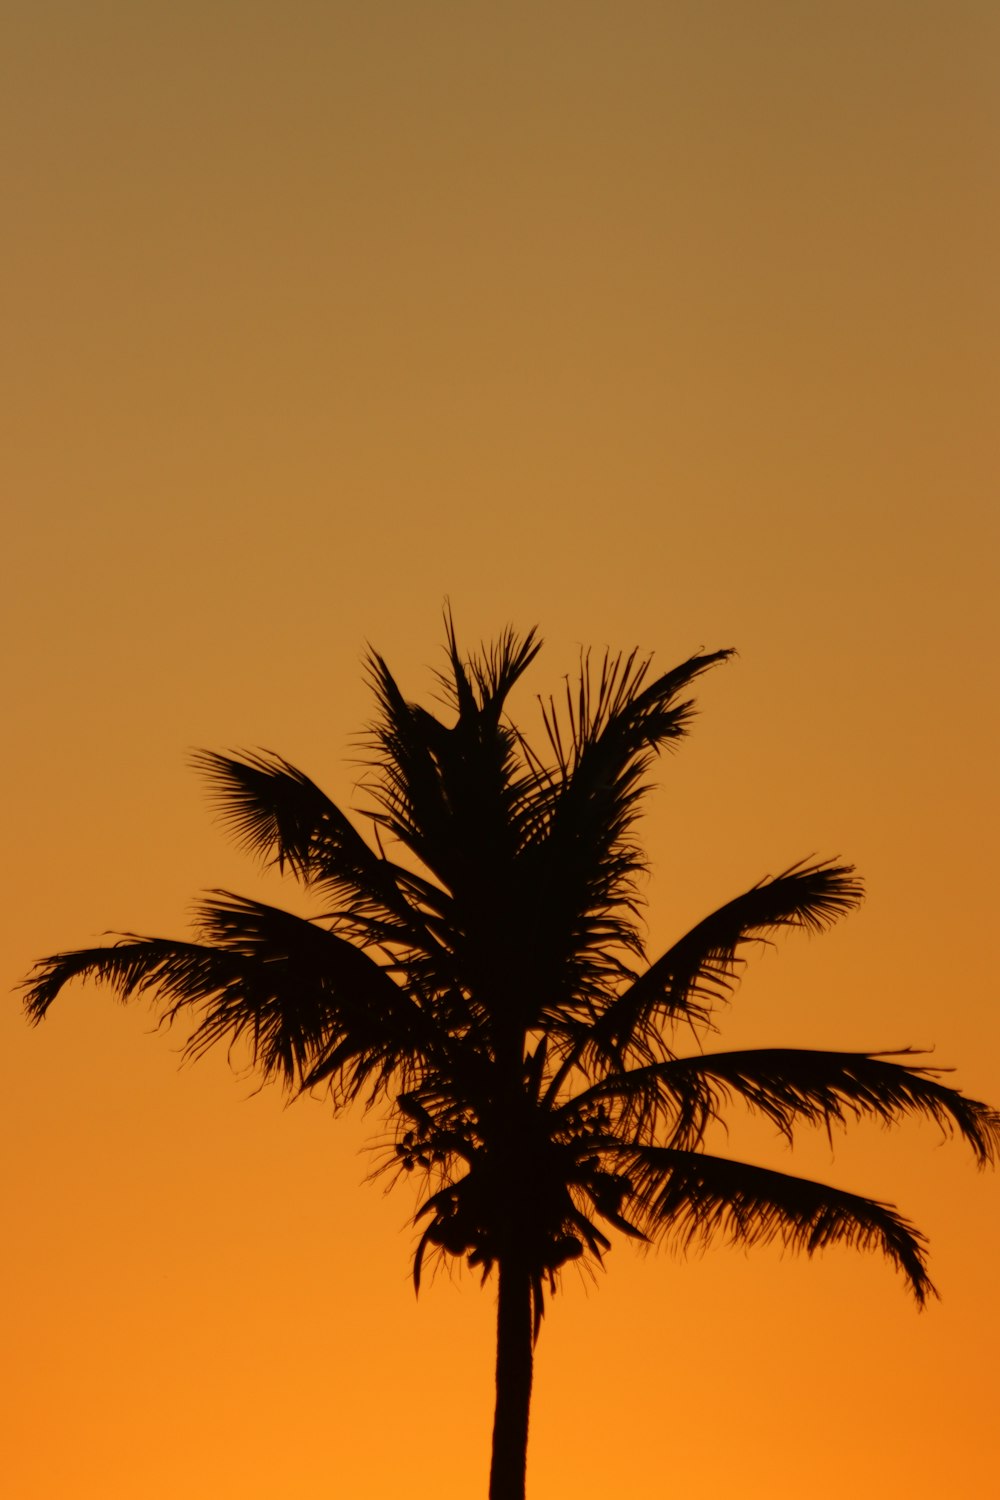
669, 324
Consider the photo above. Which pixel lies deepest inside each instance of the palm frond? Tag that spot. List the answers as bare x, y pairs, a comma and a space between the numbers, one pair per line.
479, 686
790, 1086
278, 814
583, 864
131, 966
690, 1197
700, 970
613, 727
289, 990
272, 809
406, 787
456, 790
611, 714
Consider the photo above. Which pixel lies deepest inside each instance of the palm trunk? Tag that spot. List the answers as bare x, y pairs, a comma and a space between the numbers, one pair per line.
514, 1357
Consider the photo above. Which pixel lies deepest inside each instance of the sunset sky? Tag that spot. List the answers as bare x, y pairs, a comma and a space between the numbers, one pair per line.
661, 324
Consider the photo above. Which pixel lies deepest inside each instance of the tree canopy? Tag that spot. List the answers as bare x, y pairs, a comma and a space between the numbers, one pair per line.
477, 966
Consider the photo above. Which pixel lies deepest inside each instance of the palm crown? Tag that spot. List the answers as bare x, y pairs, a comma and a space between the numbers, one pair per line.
480, 968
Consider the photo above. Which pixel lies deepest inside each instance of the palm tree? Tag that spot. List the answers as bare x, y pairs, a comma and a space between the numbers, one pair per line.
480, 970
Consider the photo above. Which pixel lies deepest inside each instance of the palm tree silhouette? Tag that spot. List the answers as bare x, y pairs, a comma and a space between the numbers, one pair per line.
487, 981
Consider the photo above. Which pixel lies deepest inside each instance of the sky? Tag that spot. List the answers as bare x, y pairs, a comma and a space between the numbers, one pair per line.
660, 324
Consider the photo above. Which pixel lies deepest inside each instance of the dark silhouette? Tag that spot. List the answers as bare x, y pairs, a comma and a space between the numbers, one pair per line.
489, 984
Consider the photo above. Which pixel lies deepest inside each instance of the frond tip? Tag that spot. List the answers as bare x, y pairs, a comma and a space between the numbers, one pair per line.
792, 1086
692, 1197
701, 969
293, 993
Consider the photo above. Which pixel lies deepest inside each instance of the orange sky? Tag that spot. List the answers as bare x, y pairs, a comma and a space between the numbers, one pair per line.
661, 324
